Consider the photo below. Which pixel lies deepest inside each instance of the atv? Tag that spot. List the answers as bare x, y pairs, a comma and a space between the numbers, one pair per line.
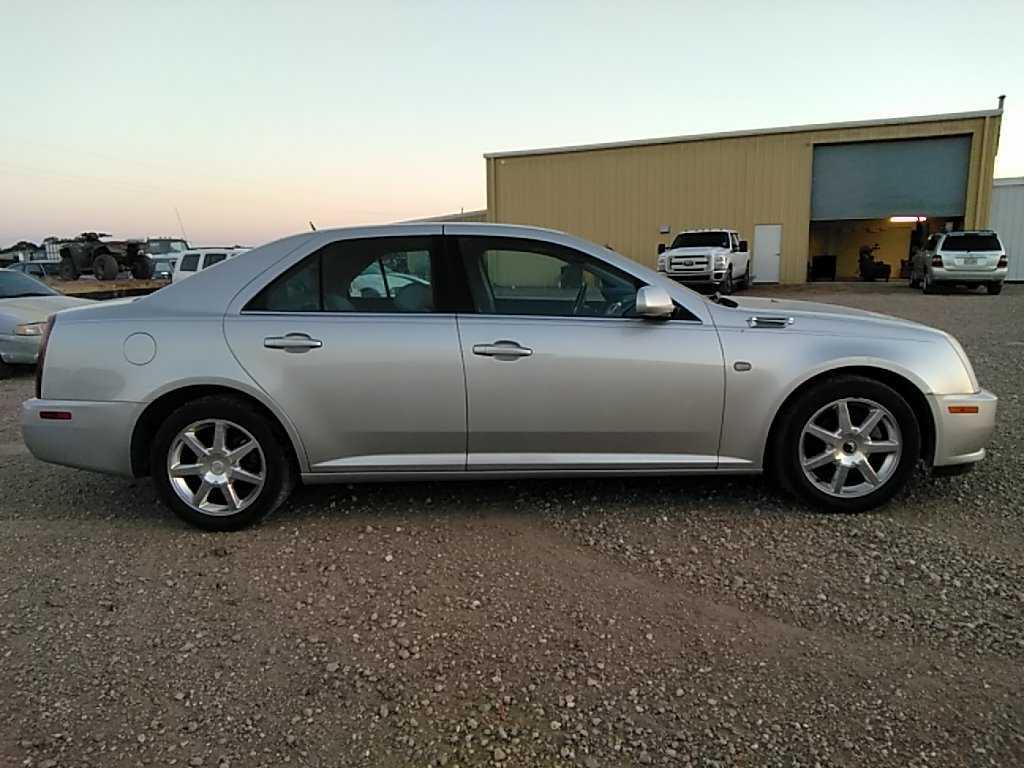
89, 253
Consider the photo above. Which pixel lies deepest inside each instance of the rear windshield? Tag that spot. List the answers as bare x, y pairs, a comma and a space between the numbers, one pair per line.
189, 262
701, 240
971, 242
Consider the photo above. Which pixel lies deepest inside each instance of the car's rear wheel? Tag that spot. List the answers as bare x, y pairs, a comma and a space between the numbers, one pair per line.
5, 370
220, 465
994, 288
928, 286
848, 444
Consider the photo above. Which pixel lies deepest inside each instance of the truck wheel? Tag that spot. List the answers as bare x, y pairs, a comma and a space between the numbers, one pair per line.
994, 288
104, 267
727, 286
67, 269
221, 465
142, 269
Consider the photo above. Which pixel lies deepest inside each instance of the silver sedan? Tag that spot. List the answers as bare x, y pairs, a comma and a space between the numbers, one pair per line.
514, 352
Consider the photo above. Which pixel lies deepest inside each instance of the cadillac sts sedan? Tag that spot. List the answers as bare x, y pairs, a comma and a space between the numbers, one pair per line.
503, 351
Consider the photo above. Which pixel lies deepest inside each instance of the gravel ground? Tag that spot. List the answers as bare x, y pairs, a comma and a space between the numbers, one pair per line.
586, 623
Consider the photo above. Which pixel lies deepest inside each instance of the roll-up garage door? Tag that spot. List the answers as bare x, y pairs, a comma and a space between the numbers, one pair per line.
876, 179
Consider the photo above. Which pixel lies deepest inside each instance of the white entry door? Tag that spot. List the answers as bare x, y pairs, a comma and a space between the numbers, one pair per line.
767, 252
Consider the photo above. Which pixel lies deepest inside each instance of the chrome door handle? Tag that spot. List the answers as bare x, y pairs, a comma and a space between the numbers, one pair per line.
502, 349
292, 342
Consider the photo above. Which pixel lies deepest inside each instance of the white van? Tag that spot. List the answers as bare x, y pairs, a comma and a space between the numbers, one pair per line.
198, 259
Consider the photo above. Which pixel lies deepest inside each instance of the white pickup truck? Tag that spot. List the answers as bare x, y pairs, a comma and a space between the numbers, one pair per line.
712, 258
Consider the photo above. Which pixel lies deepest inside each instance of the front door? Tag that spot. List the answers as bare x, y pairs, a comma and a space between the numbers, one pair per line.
347, 342
561, 375
767, 252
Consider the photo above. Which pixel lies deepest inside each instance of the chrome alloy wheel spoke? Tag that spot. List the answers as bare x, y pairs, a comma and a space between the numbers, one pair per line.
850, 447
216, 467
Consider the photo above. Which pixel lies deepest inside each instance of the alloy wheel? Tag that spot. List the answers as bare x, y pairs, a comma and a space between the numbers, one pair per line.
216, 467
850, 447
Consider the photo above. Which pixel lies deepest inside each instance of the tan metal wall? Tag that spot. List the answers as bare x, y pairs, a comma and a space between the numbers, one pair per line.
619, 196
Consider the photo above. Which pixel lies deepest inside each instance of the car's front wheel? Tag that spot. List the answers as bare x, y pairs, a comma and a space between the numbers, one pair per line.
220, 465
847, 444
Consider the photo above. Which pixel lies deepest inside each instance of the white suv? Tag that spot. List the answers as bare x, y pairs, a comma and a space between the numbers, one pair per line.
970, 258
198, 259
714, 258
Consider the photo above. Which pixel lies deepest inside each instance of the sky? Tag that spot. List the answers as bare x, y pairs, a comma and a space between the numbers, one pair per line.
250, 119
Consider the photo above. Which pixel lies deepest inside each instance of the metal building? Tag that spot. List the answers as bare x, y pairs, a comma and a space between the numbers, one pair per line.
794, 192
1008, 222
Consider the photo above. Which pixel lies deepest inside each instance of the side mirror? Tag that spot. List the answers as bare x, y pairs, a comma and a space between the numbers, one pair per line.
654, 302
743, 246
662, 248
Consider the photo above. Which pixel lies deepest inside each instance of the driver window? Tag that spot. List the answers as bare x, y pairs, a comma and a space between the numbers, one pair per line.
509, 276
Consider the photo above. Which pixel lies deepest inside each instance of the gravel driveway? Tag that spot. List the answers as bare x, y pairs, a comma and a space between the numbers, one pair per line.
592, 623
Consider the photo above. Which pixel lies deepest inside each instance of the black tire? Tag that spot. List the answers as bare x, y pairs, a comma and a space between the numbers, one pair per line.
142, 268
5, 370
280, 475
927, 286
748, 279
786, 442
104, 267
994, 289
67, 269
727, 286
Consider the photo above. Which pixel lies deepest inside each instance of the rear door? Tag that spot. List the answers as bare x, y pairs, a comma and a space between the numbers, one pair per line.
372, 380
561, 376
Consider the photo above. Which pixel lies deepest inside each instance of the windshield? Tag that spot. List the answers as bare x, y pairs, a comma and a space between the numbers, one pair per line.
15, 284
972, 242
701, 240
157, 247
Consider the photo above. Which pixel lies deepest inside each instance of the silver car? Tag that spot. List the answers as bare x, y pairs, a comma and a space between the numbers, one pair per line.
25, 303
970, 258
519, 352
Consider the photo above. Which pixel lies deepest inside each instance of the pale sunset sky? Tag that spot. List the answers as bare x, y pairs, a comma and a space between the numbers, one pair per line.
251, 118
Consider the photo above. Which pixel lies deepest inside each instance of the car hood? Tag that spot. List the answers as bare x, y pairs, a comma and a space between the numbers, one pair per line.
35, 309
817, 315
695, 251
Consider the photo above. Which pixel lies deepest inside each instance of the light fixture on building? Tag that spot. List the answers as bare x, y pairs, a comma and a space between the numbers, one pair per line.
907, 219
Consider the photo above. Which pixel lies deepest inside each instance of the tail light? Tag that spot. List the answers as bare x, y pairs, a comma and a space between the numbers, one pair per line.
937, 260
43, 344
1003, 263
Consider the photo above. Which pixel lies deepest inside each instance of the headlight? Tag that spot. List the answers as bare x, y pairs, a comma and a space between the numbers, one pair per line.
720, 261
662, 261
29, 329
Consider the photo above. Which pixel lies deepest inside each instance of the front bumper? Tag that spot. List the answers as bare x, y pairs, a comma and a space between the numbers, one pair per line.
940, 275
96, 437
19, 349
689, 278
960, 438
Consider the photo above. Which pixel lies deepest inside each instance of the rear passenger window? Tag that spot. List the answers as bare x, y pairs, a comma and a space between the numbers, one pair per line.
391, 274
213, 258
189, 262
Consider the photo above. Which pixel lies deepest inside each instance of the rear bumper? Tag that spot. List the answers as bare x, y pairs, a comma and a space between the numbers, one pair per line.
19, 349
940, 275
960, 438
97, 437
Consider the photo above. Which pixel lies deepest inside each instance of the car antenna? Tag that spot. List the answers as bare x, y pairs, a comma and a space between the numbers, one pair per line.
312, 225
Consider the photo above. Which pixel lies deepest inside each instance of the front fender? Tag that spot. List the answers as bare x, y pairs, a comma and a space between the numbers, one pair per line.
783, 360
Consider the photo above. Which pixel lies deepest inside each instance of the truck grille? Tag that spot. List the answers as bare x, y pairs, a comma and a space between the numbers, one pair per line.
688, 264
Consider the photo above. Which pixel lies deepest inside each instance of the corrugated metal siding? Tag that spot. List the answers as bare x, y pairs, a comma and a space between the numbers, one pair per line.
1008, 221
619, 196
